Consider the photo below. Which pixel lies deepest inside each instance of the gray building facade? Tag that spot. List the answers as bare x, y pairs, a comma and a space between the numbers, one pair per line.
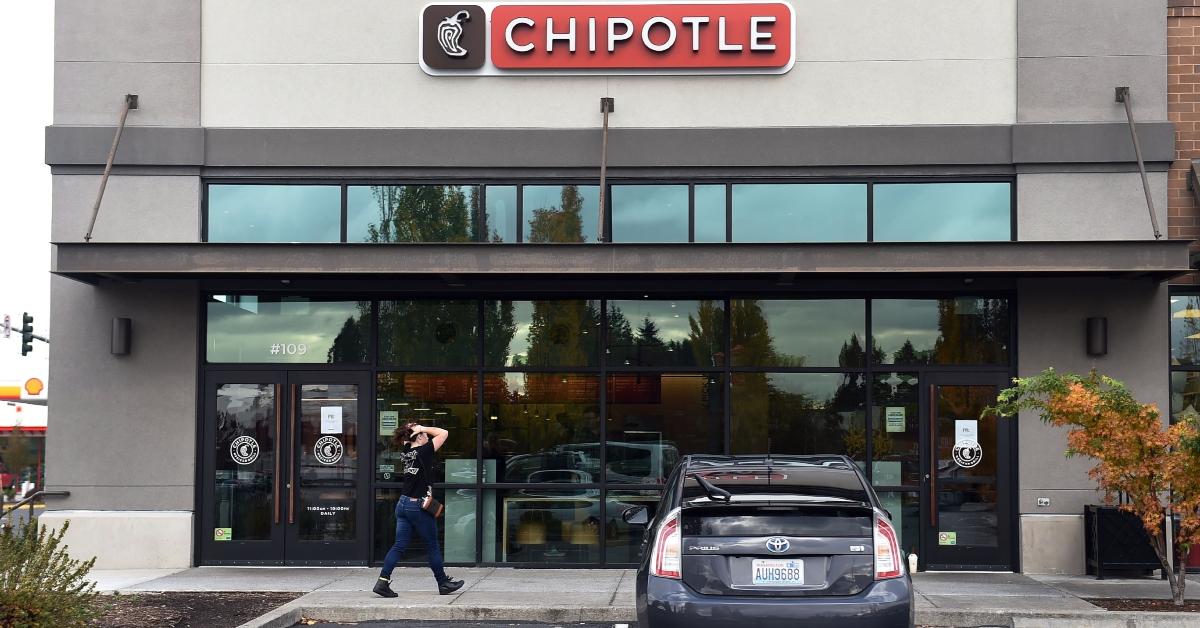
932, 199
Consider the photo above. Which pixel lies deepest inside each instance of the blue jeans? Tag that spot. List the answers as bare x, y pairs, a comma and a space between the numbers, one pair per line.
409, 516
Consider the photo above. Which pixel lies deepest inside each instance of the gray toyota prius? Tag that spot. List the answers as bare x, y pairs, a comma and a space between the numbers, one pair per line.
765, 541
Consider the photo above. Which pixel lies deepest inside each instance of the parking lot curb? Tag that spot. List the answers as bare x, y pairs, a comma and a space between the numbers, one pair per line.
288, 614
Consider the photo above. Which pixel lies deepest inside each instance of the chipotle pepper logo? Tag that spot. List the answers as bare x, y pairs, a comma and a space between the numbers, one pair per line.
497, 38
453, 36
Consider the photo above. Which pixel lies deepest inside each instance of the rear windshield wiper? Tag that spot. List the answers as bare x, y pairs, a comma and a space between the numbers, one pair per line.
714, 492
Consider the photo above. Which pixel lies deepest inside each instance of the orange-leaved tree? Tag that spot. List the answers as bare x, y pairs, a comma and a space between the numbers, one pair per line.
1156, 468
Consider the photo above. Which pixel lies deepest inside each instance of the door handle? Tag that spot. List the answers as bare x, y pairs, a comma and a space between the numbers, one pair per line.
933, 455
278, 439
292, 429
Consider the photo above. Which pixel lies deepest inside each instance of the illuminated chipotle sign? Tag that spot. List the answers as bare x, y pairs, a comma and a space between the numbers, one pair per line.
625, 38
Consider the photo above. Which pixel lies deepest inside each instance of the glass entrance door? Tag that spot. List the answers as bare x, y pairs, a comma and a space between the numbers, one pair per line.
967, 519
284, 480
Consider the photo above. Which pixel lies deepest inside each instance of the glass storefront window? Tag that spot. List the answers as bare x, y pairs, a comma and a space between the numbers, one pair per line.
243, 498
1185, 393
649, 213
541, 333
625, 541
896, 427
806, 212
942, 212
428, 333
274, 213
456, 529
501, 213
653, 418
412, 213
1185, 330
666, 333
244, 329
829, 332
710, 213
961, 330
801, 413
541, 427
560, 213
445, 400
542, 526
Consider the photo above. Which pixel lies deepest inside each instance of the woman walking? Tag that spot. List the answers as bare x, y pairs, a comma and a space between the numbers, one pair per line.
417, 443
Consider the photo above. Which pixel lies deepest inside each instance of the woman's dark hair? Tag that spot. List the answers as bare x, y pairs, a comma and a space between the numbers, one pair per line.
404, 436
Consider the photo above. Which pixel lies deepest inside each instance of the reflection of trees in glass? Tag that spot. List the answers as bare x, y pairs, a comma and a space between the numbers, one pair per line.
562, 333
707, 337
425, 213
753, 344
853, 354
796, 421
1185, 346
559, 224
499, 329
545, 418
350, 345
973, 331
428, 332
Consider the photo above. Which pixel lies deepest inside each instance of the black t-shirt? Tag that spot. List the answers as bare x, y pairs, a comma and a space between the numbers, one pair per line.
418, 470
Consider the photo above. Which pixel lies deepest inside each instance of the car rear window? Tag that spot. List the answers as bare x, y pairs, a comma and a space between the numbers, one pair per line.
822, 521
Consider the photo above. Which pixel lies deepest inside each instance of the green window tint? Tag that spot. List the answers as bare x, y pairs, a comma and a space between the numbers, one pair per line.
541, 333
896, 426
800, 212
666, 333
501, 214
429, 333
961, 330
624, 540
542, 526
649, 213
244, 329
1185, 330
274, 213
560, 213
942, 212
446, 400
809, 333
801, 413
653, 418
710, 213
541, 427
412, 213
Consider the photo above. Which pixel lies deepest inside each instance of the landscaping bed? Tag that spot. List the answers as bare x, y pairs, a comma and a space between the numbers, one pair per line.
1161, 606
190, 609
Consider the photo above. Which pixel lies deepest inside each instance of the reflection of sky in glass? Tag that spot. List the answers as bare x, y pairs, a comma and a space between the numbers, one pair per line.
670, 317
274, 213
522, 313
650, 213
815, 330
501, 202
710, 213
942, 212
1185, 329
800, 213
819, 387
536, 197
240, 335
363, 209
896, 320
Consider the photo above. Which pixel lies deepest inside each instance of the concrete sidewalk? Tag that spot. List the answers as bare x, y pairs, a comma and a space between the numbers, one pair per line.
594, 595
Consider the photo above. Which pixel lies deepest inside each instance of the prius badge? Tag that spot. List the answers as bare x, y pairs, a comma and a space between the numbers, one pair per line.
450, 32
778, 545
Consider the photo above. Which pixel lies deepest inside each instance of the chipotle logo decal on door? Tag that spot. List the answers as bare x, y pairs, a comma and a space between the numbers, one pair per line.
625, 38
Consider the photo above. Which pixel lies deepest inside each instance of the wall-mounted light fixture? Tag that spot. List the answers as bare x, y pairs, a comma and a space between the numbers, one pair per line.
1097, 336
122, 336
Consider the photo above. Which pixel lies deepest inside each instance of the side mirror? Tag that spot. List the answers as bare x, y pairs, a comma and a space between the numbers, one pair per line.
636, 515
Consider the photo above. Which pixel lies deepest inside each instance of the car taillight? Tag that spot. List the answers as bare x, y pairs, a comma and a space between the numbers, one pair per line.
668, 549
887, 551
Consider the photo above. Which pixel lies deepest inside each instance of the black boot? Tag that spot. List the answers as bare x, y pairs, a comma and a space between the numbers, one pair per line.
449, 585
383, 587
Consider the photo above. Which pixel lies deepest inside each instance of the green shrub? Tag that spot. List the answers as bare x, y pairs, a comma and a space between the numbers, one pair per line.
40, 584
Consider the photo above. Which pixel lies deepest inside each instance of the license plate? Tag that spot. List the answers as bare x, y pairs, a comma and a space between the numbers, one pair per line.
777, 573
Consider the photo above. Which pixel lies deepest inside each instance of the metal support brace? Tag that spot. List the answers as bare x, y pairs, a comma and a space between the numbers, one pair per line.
131, 102
606, 107
1123, 97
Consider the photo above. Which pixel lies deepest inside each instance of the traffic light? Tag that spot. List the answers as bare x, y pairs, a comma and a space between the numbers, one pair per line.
26, 333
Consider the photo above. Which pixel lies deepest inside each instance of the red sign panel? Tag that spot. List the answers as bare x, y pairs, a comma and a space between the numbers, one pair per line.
641, 36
